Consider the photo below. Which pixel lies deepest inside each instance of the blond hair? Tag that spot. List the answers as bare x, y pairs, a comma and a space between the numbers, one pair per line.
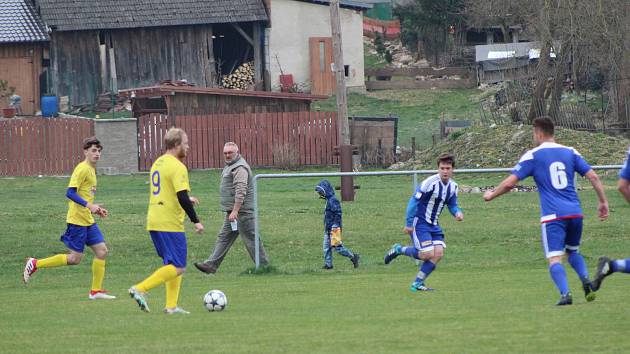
173, 138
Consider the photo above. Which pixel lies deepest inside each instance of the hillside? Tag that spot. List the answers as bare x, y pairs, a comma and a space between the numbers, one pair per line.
502, 146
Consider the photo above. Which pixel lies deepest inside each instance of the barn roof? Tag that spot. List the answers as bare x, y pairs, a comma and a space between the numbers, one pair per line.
69, 15
19, 22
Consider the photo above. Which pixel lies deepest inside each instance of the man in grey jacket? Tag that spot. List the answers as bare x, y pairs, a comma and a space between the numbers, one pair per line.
237, 201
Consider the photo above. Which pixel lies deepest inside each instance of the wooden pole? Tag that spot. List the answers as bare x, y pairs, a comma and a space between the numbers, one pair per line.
347, 184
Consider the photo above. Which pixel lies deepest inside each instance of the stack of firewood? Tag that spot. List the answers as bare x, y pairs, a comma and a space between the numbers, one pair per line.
240, 79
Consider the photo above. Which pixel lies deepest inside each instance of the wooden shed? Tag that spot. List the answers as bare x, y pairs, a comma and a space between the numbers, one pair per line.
23, 49
186, 100
105, 45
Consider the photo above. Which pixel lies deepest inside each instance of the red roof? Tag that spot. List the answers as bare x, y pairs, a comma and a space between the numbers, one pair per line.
169, 90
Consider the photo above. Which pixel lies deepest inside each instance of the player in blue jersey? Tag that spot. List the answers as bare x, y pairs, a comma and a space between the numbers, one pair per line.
553, 166
605, 265
423, 211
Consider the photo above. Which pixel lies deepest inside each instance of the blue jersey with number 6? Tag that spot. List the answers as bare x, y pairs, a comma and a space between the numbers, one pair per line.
553, 166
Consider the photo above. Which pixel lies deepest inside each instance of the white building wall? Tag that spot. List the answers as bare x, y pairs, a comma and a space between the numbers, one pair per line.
293, 23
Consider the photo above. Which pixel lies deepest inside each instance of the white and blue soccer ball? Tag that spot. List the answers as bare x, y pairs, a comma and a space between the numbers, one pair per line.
215, 300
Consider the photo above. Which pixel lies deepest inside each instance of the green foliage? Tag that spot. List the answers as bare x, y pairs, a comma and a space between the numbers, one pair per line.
493, 267
419, 110
379, 44
428, 21
388, 56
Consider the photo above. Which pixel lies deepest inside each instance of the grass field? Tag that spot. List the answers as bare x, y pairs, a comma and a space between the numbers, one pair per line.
493, 289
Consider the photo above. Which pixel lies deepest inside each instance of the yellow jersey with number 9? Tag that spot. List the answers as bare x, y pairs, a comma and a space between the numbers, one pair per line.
84, 180
168, 176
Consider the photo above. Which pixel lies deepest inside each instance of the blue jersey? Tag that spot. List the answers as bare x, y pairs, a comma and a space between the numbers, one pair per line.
625, 170
429, 200
553, 167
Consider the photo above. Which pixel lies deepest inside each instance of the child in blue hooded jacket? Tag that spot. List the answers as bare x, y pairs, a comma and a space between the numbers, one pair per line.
332, 226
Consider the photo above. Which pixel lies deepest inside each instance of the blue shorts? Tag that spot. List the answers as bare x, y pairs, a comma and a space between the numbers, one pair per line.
76, 237
561, 235
425, 236
171, 247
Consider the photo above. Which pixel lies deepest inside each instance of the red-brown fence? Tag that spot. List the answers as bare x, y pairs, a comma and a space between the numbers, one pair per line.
264, 139
37, 146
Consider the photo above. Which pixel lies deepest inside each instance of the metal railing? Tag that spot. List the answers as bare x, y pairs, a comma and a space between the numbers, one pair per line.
414, 173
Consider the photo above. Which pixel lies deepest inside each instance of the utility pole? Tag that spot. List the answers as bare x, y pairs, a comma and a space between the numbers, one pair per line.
345, 149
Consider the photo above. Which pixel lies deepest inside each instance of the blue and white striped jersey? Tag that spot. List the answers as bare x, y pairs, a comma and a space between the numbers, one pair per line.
429, 200
625, 170
553, 167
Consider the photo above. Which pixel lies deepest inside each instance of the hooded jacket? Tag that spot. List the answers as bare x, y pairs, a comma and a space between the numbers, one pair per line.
332, 213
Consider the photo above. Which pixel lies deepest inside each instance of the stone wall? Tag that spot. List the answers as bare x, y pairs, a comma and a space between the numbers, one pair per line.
120, 146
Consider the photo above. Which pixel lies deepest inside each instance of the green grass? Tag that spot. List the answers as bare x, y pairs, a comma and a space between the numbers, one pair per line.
419, 110
494, 292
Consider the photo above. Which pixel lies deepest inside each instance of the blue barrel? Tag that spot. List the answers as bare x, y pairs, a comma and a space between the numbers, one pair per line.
50, 106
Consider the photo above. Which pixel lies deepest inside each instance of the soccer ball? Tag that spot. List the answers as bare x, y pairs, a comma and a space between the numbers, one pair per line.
215, 300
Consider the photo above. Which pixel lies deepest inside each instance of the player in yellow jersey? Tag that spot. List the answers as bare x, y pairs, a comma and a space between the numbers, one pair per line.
168, 201
81, 229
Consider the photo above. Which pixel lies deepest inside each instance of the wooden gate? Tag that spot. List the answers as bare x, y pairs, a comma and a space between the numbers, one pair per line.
321, 58
19, 73
264, 139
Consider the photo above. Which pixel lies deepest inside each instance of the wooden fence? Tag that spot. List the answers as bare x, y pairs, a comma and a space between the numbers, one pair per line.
278, 139
38, 146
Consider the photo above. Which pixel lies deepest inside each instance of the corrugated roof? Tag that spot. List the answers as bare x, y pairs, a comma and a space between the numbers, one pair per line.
19, 22
68, 15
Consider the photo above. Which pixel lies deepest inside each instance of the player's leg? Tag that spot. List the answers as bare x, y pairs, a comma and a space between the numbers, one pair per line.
427, 252
346, 252
246, 228
327, 251
607, 266
172, 297
575, 259
96, 242
223, 243
74, 238
553, 242
163, 242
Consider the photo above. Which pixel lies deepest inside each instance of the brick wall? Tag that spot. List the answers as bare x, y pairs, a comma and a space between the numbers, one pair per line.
120, 146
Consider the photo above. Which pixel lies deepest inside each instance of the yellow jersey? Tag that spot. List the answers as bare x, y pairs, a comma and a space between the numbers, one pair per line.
84, 180
168, 176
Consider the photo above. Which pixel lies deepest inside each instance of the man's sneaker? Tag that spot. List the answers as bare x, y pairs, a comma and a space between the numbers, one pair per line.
175, 311
100, 294
393, 252
139, 299
419, 286
565, 299
355, 260
29, 269
327, 267
203, 267
589, 292
603, 270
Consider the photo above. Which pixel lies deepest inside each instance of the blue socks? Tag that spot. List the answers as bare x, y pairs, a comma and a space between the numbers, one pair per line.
425, 269
559, 277
579, 265
620, 265
410, 252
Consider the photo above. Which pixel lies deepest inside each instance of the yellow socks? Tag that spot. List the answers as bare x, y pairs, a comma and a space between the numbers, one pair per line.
54, 261
98, 273
160, 276
172, 292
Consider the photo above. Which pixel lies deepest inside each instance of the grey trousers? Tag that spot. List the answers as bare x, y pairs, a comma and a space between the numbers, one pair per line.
226, 238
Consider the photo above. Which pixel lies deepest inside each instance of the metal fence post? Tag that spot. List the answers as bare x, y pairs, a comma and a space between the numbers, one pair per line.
256, 225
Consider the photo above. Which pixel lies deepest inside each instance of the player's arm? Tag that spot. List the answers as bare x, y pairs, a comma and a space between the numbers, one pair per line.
624, 188
504, 187
335, 208
71, 193
186, 204
454, 209
599, 189
412, 207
